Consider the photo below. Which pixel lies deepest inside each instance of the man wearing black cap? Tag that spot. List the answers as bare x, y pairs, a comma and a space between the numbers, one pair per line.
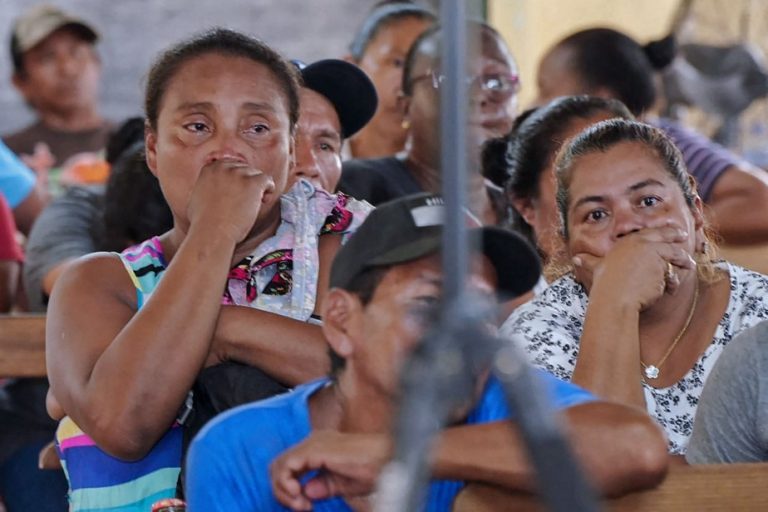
385, 283
337, 100
57, 70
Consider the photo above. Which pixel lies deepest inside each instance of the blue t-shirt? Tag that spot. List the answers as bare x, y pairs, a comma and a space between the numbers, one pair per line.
16, 179
228, 463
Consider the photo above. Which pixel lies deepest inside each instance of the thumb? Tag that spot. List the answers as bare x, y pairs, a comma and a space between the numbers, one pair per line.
319, 487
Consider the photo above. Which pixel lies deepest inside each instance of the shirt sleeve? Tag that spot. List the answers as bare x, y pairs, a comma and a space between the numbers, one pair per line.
706, 160
218, 475
549, 327
492, 405
10, 250
728, 421
16, 179
66, 229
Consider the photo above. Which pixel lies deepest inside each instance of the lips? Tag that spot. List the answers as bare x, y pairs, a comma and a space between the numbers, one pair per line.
500, 125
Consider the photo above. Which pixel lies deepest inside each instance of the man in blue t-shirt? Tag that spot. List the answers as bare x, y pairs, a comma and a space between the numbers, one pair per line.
321, 446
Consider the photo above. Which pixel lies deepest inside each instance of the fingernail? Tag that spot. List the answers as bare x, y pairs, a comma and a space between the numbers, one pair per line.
577, 261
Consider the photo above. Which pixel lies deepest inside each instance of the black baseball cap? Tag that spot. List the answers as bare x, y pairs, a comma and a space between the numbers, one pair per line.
411, 227
346, 86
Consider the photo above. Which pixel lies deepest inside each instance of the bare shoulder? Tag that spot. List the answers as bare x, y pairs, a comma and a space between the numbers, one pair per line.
98, 274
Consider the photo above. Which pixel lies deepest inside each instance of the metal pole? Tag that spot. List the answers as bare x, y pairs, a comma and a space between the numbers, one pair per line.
445, 364
453, 147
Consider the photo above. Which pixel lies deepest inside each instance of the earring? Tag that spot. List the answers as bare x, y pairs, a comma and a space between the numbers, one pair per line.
405, 125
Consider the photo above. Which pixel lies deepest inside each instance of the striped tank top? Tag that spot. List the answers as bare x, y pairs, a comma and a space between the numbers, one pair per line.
280, 277
99, 482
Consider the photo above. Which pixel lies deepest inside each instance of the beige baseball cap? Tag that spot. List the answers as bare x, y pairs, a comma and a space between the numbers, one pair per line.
41, 21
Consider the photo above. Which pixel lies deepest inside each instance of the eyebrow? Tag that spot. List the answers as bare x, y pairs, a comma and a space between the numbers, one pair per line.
207, 106
646, 183
195, 105
327, 133
588, 199
632, 188
430, 279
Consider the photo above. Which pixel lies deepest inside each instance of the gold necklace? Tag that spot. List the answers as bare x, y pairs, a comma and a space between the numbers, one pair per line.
652, 371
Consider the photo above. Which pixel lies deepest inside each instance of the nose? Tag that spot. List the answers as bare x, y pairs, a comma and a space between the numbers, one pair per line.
226, 147
68, 65
307, 166
625, 222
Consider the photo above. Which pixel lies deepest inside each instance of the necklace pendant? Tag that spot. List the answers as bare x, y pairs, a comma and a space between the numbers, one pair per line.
651, 372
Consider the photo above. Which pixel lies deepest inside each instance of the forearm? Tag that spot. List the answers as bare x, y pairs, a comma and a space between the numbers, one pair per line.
28, 210
290, 351
491, 453
608, 364
137, 384
9, 280
619, 448
738, 207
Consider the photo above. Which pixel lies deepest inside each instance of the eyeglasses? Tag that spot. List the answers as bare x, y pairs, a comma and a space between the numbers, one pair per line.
492, 82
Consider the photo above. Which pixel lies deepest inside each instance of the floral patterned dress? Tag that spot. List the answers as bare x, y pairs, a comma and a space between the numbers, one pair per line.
550, 327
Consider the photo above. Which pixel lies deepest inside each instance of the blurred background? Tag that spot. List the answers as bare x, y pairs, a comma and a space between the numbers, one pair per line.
134, 31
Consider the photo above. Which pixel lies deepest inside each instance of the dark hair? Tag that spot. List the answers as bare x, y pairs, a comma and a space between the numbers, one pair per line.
410, 58
134, 206
494, 162
382, 15
602, 137
364, 286
533, 144
604, 57
17, 58
224, 42
413, 51
126, 136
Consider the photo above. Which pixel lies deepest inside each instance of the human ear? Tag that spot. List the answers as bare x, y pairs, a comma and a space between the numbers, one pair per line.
526, 208
699, 222
404, 106
341, 311
21, 85
150, 147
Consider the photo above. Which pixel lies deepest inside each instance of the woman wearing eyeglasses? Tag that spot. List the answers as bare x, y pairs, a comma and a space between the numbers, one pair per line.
492, 87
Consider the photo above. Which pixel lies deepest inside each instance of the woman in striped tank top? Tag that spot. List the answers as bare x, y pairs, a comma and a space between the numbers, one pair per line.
127, 334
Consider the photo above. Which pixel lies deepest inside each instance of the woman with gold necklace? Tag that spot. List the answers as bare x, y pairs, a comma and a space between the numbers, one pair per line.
644, 311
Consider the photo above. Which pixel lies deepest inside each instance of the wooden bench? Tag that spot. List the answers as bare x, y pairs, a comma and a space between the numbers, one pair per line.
22, 346
717, 487
753, 257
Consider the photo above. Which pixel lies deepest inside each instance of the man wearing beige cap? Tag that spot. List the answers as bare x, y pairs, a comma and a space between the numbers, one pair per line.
57, 70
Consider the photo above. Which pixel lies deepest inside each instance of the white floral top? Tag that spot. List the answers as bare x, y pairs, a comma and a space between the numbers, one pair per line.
550, 326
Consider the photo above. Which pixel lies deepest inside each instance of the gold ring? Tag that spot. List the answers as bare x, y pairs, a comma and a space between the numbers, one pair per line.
670, 273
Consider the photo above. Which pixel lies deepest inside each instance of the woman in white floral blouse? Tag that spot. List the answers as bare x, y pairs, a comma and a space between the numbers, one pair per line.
644, 311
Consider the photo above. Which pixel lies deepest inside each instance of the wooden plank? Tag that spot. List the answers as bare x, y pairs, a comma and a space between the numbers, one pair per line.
22, 346
716, 487
753, 257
